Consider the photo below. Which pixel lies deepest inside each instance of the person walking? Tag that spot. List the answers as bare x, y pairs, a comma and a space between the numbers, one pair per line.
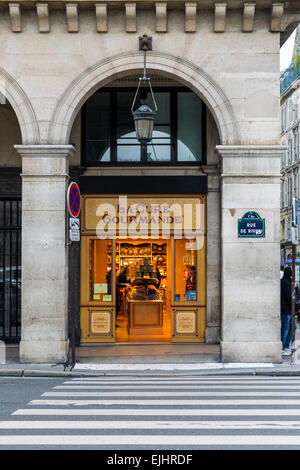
286, 311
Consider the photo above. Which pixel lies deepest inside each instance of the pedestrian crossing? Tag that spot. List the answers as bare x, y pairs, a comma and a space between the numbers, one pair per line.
164, 412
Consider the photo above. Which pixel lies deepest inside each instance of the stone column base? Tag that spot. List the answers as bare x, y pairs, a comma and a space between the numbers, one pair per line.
42, 352
212, 335
234, 351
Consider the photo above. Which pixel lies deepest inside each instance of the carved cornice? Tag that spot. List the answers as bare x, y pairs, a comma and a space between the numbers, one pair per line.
175, 4
101, 17
130, 11
72, 17
281, 14
277, 15
220, 17
15, 17
42, 10
248, 17
161, 17
190, 17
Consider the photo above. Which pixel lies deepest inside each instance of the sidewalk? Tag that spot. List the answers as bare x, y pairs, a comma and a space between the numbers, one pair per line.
111, 363
47, 370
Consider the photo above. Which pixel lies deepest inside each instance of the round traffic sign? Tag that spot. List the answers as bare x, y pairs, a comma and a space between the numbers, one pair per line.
73, 199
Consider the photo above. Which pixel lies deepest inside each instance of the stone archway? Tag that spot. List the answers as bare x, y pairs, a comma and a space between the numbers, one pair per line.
102, 72
22, 107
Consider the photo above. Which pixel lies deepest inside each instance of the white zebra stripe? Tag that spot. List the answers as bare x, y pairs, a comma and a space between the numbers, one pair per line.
149, 440
178, 387
153, 425
167, 394
201, 402
159, 412
183, 380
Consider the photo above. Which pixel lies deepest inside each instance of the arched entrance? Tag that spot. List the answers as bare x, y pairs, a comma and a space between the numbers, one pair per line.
103, 72
22, 106
100, 319
10, 226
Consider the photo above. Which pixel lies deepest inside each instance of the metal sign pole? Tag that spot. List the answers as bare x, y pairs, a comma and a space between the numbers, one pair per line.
74, 207
72, 271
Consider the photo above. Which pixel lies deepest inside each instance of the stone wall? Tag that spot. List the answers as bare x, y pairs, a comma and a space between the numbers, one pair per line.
46, 73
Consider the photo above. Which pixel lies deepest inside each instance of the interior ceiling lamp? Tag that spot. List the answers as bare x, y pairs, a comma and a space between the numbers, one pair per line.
144, 116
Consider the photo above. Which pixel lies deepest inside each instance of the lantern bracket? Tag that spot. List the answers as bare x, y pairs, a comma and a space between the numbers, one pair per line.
145, 44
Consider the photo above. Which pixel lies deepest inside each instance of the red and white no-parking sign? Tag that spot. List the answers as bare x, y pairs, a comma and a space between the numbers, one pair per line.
73, 200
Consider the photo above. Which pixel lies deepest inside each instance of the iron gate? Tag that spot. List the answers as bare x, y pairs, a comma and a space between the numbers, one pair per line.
10, 270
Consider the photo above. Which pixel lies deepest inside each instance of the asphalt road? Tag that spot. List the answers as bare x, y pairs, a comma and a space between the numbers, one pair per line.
16, 392
165, 413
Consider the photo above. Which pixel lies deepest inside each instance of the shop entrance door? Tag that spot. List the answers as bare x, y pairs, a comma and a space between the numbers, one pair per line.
143, 290
98, 290
188, 290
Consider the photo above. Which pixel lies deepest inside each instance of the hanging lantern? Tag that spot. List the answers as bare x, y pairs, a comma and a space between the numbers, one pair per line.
144, 116
144, 123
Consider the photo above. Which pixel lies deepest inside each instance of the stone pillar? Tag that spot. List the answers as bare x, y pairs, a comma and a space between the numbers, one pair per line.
250, 268
45, 180
213, 264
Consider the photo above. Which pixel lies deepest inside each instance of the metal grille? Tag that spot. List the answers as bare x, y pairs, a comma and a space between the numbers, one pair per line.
10, 270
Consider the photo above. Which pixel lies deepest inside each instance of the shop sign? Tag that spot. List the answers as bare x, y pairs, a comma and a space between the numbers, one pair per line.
100, 322
185, 322
140, 217
251, 225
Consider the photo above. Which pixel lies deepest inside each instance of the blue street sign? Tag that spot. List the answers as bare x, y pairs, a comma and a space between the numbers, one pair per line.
295, 212
251, 225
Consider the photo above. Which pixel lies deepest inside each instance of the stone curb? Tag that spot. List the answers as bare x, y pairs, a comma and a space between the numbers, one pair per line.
36, 373
11, 372
206, 373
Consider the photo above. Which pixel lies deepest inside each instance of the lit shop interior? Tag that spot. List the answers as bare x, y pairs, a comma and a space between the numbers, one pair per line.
143, 291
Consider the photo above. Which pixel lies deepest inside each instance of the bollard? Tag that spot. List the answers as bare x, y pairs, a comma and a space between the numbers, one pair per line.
2, 352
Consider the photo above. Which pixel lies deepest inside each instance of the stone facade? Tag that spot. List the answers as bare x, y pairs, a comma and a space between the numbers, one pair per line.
55, 55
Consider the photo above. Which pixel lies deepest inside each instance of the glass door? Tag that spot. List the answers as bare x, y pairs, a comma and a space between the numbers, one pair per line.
188, 292
98, 293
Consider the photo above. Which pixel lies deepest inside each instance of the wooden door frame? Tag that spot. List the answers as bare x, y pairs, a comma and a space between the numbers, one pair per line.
196, 308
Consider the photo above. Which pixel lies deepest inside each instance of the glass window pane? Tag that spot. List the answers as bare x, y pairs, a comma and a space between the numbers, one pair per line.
97, 125
128, 136
161, 133
128, 141
163, 107
189, 127
124, 103
158, 153
185, 271
128, 153
98, 151
100, 270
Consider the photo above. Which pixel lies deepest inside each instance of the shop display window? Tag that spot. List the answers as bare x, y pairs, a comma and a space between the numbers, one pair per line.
101, 270
185, 272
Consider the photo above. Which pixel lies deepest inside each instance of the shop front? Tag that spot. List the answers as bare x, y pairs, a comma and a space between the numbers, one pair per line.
214, 73
143, 269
